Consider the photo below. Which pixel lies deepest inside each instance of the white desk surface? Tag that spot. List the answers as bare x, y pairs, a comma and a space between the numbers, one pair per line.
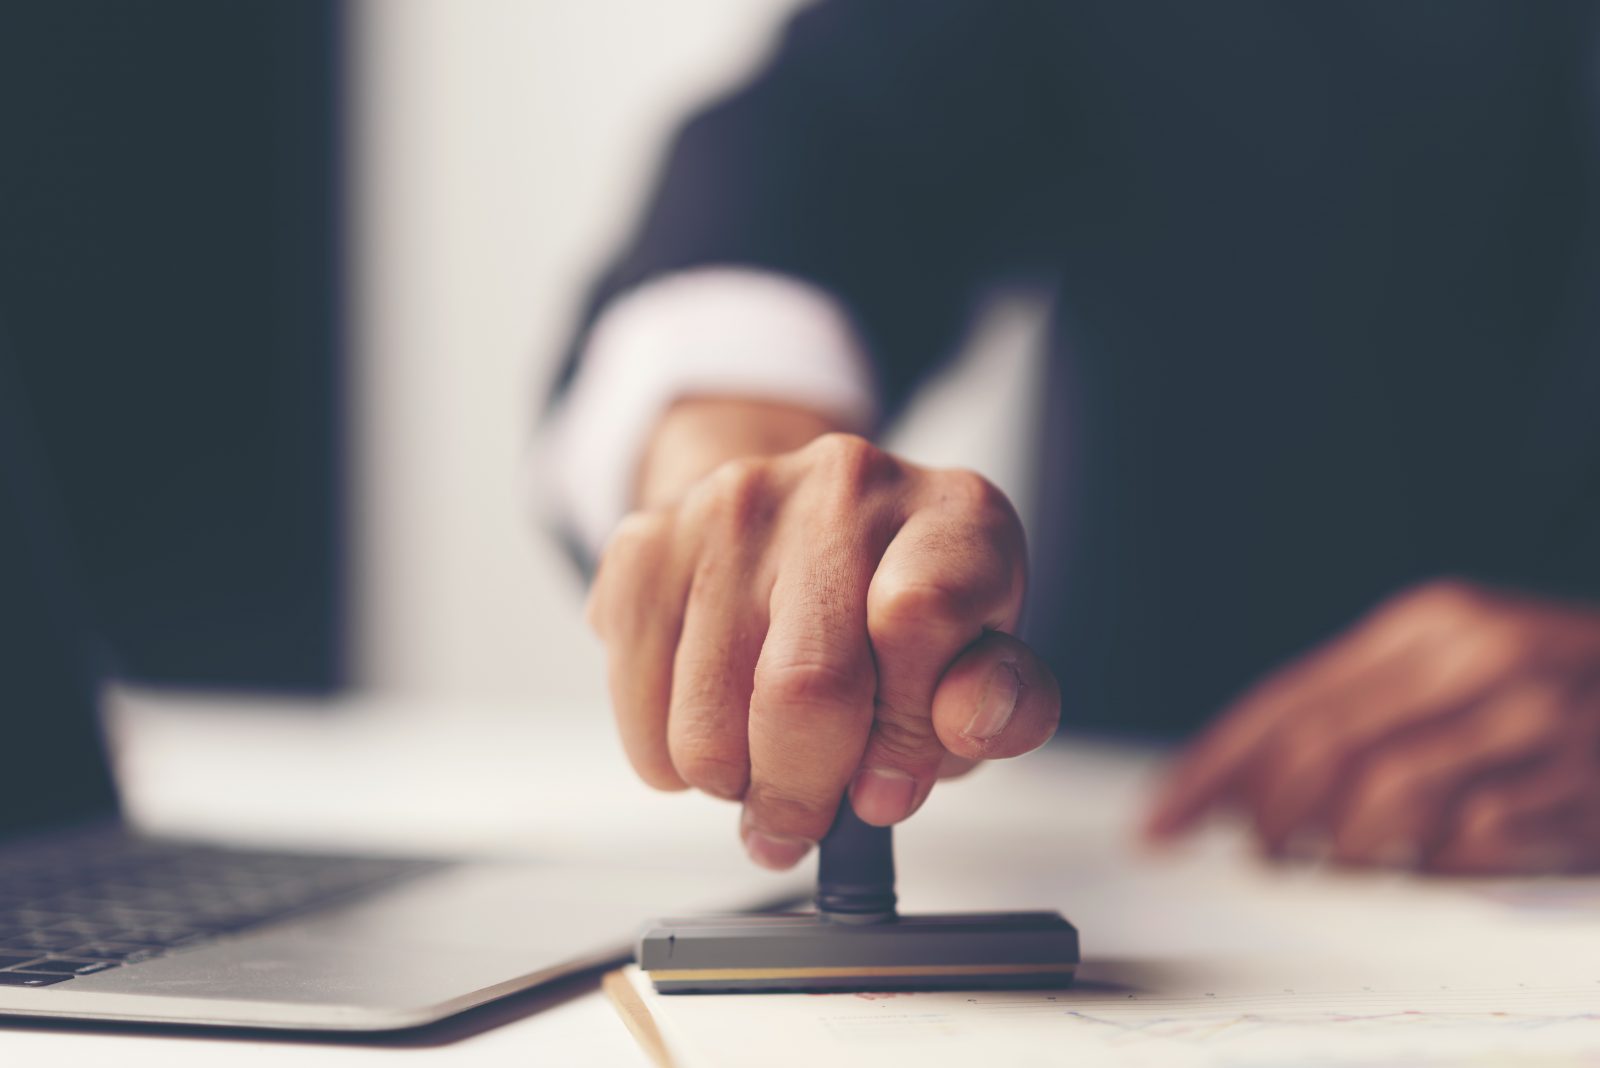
1051, 830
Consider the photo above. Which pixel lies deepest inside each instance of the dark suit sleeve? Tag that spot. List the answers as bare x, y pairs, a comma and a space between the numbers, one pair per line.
884, 153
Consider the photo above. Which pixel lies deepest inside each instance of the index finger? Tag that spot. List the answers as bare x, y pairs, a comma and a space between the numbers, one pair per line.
1422, 654
1212, 767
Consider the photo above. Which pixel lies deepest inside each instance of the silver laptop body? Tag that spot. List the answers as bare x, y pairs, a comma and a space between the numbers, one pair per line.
99, 924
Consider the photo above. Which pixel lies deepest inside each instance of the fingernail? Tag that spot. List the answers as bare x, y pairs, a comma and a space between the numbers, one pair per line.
883, 795
775, 851
999, 701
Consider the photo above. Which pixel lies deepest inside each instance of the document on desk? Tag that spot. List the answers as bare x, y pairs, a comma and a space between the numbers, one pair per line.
1468, 1024
1209, 958
1484, 1024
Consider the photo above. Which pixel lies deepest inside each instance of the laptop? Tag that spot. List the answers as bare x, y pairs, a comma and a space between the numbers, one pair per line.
100, 923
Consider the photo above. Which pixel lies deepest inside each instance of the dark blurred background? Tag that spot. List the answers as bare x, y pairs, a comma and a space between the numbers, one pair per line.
288, 277
170, 269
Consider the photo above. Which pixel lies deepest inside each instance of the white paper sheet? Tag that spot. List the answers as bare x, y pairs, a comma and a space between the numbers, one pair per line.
1489, 1024
1204, 957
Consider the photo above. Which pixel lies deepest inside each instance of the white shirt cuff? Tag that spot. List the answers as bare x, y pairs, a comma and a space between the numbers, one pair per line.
717, 331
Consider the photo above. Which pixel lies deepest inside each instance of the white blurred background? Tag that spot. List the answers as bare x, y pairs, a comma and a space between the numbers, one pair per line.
502, 147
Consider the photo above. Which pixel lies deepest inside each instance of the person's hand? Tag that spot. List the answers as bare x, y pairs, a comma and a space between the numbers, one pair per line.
1457, 729
827, 618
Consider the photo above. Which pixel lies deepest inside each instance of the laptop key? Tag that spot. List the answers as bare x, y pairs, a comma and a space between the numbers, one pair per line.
30, 979
114, 951
56, 965
123, 902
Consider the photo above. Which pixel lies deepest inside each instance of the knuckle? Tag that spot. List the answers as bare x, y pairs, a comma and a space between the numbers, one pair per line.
975, 495
850, 461
986, 528
1447, 600
898, 604
1501, 646
633, 532
737, 494
811, 682
1435, 615
632, 538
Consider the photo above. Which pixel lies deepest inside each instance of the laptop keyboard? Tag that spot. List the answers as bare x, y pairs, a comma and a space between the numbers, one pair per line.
95, 902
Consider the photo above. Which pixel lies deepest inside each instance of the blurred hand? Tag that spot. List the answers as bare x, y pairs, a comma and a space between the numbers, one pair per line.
826, 618
1456, 729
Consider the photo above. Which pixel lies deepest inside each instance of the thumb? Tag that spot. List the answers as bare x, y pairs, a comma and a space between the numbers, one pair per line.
997, 699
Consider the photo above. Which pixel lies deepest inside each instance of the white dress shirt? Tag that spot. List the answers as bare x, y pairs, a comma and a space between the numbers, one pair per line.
728, 331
